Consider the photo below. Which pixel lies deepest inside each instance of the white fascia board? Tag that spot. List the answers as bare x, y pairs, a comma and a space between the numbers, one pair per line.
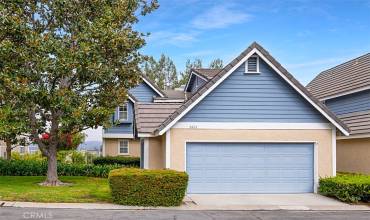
168, 100
151, 86
353, 136
110, 135
253, 126
253, 51
191, 74
145, 135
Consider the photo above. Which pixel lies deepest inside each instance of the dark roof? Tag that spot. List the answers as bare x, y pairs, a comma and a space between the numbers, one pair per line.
149, 116
207, 72
358, 122
346, 77
221, 73
174, 94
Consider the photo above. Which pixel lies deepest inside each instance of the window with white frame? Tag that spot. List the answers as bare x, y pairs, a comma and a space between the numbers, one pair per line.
123, 112
252, 65
123, 147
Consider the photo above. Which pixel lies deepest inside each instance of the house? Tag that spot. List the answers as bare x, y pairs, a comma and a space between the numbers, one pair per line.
28, 149
345, 89
247, 128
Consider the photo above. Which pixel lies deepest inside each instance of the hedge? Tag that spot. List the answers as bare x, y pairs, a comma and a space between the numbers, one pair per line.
122, 160
131, 186
39, 168
347, 187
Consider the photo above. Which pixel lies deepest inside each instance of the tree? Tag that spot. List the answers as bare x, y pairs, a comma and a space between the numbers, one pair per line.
70, 63
197, 63
162, 72
216, 64
13, 126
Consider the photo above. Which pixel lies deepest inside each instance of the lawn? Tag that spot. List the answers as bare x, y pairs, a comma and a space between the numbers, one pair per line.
26, 188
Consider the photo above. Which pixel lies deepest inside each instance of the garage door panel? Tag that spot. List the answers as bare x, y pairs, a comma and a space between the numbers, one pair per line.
249, 167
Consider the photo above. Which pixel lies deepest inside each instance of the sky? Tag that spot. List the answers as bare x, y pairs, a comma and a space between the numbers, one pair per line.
306, 37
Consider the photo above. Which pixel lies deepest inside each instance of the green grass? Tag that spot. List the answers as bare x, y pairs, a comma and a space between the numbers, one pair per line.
26, 188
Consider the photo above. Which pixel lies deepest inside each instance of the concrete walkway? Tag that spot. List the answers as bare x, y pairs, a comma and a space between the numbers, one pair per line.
216, 202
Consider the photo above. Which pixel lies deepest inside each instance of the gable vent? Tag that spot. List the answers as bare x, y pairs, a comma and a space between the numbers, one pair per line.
252, 65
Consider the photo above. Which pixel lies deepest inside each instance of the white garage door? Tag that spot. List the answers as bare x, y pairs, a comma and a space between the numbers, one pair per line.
250, 167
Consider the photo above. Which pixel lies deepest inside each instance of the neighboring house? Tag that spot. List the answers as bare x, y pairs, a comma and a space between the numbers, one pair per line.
345, 89
248, 128
92, 147
121, 139
30, 149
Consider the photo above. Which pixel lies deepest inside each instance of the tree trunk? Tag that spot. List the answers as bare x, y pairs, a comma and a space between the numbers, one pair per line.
8, 149
52, 174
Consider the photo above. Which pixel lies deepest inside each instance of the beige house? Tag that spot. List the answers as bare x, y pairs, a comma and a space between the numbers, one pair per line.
345, 89
247, 128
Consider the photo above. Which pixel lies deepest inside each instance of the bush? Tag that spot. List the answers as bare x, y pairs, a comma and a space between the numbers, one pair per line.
347, 187
122, 160
130, 186
71, 156
39, 168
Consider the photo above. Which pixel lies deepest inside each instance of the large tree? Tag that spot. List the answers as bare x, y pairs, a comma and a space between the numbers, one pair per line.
162, 72
70, 63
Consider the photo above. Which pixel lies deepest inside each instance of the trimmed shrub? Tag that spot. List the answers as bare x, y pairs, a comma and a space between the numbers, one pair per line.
347, 187
122, 160
138, 187
39, 168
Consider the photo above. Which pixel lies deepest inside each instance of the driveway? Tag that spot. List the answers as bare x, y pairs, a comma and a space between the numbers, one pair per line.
308, 201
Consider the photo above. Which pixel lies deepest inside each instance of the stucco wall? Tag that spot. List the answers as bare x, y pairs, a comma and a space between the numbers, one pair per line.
157, 152
111, 147
353, 155
323, 138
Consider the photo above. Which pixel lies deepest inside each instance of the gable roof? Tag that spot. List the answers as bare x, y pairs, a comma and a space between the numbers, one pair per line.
152, 85
207, 73
254, 48
351, 76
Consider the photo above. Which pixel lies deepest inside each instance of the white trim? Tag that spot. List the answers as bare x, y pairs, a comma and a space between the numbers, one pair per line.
131, 99
107, 135
315, 153
146, 135
103, 148
146, 153
334, 150
168, 100
193, 73
119, 147
315, 167
151, 86
353, 136
345, 93
253, 51
246, 66
168, 149
251, 126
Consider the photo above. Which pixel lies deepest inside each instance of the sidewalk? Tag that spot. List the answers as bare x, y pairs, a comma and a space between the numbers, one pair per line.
188, 205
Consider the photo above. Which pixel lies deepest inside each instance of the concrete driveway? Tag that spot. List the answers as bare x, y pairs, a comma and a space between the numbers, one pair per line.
307, 201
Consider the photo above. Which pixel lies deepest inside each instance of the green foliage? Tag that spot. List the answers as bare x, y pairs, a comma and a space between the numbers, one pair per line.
35, 156
139, 187
71, 156
162, 72
39, 168
197, 63
216, 64
121, 160
347, 187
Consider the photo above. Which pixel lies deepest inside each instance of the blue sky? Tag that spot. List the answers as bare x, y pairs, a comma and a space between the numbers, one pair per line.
306, 37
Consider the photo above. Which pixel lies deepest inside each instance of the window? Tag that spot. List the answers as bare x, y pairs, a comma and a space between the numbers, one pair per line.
122, 112
252, 65
22, 150
123, 147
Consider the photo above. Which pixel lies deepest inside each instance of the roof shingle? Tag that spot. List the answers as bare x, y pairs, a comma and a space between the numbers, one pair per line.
346, 77
358, 122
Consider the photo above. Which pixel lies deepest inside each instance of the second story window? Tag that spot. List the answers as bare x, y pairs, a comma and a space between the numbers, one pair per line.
252, 65
123, 112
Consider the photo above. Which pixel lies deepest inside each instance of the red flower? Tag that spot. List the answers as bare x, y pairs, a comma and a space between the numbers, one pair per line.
45, 136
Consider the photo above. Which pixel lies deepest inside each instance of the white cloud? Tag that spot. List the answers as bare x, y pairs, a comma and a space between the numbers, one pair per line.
220, 17
170, 37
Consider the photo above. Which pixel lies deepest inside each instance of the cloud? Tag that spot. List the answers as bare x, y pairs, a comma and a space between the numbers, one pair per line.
170, 37
220, 17
199, 53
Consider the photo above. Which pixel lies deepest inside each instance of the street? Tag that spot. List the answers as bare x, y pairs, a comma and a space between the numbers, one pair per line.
9, 213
